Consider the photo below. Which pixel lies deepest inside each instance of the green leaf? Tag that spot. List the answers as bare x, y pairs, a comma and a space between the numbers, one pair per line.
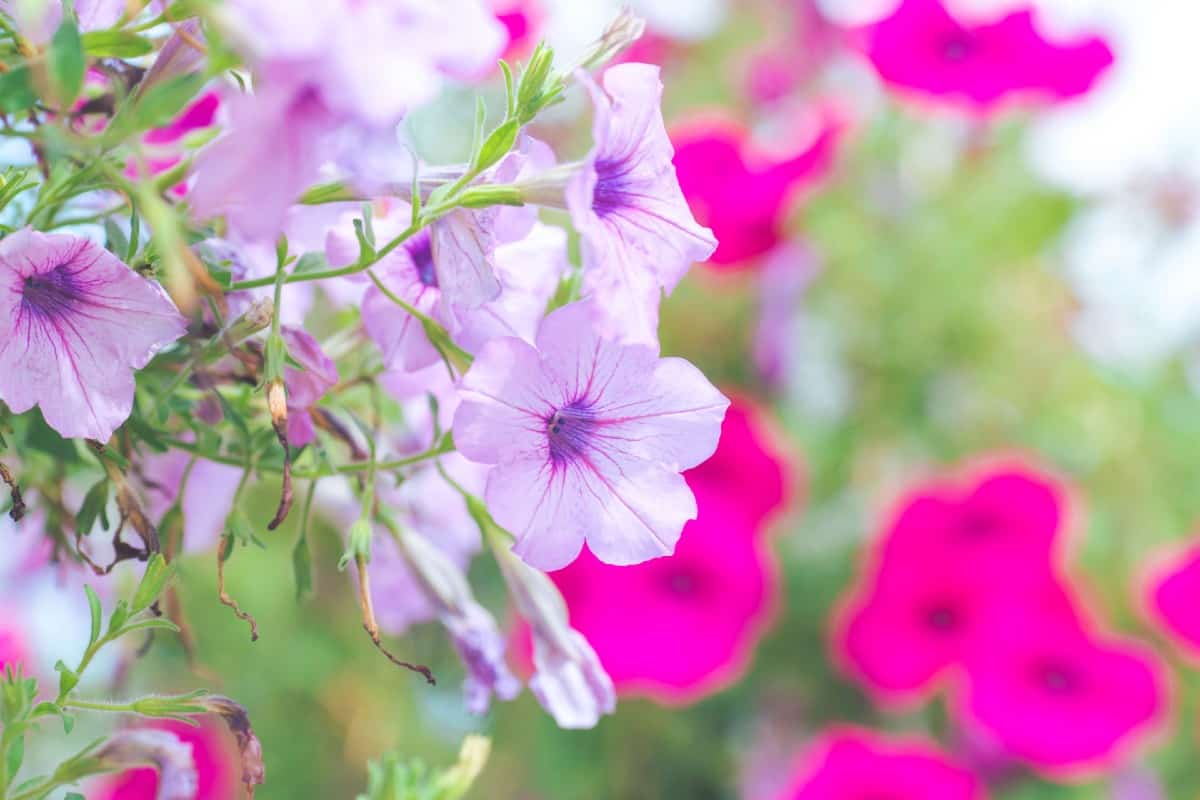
310, 262
497, 145
92, 507
116, 44
152, 624
117, 619
158, 573
16, 90
67, 678
15, 755
96, 611
67, 63
74, 796
302, 567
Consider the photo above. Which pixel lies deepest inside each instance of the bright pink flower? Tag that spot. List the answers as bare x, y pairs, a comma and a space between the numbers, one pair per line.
12, 648
163, 148
305, 387
523, 20
744, 195
849, 763
748, 464
679, 628
215, 758
75, 323
946, 562
921, 48
639, 237
588, 437
1055, 695
1175, 599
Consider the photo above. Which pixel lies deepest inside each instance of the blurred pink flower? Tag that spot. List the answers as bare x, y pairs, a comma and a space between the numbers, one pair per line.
750, 463
37, 20
639, 237
523, 20
75, 323
1174, 599
944, 564
855, 763
163, 148
923, 50
1057, 696
305, 387
744, 195
213, 753
207, 497
680, 628
13, 652
588, 437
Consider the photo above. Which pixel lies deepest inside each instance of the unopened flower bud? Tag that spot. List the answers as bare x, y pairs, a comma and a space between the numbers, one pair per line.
182, 54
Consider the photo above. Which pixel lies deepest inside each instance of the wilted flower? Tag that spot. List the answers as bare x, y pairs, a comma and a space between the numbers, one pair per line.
75, 323
568, 680
588, 437
849, 762
305, 387
639, 237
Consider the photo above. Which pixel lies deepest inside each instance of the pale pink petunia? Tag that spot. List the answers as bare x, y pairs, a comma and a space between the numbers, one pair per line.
305, 387
408, 272
639, 236
13, 652
37, 20
924, 50
855, 763
75, 323
588, 437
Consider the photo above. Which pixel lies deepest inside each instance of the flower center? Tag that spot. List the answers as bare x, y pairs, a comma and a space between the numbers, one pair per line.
1057, 679
51, 295
569, 430
611, 192
941, 618
420, 250
957, 47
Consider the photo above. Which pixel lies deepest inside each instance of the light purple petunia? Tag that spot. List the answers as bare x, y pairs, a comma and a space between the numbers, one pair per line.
305, 387
527, 271
588, 438
639, 236
75, 323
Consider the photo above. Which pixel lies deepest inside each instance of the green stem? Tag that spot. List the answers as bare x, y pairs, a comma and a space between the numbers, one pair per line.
88, 705
355, 268
446, 445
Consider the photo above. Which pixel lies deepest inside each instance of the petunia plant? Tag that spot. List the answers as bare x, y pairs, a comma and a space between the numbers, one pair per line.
236, 293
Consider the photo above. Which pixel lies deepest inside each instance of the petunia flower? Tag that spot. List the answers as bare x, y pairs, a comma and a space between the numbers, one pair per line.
639, 237
13, 652
1065, 700
214, 762
75, 323
680, 628
1174, 599
305, 387
37, 20
924, 50
588, 438
207, 495
569, 680
850, 762
744, 195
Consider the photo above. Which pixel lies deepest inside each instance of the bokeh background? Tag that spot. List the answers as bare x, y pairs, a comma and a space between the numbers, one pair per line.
985, 249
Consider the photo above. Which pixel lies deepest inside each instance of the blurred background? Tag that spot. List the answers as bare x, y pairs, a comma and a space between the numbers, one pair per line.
958, 239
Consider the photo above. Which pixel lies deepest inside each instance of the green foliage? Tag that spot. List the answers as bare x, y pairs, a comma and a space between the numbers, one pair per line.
392, 778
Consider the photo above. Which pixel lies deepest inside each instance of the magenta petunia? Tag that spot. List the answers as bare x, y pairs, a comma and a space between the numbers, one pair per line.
945, 563
305, 387
1174, 599
13, 652
1050, 692
677, 629
588, 438
923, 49
216, 761
742, 194
639, 236
75, 323
854, 763
749, 462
